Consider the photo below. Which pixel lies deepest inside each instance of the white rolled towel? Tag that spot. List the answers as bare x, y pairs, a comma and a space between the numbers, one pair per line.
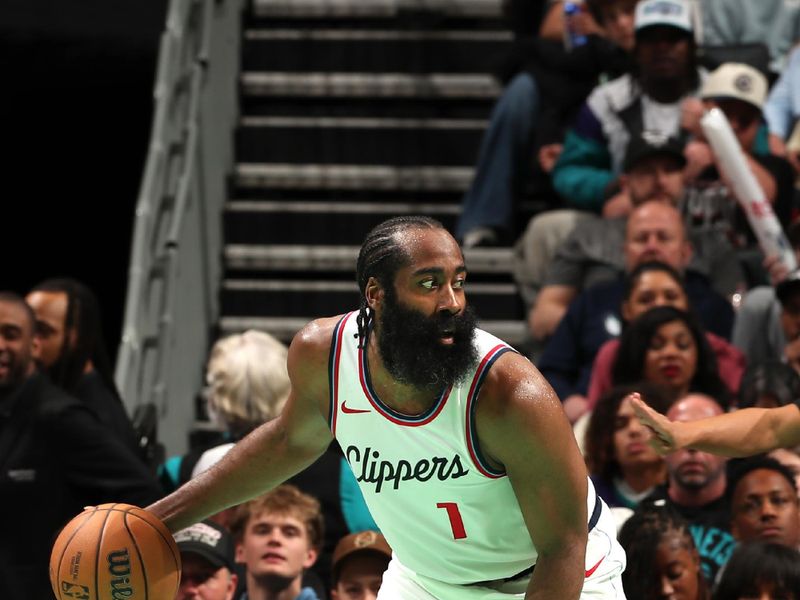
746, 189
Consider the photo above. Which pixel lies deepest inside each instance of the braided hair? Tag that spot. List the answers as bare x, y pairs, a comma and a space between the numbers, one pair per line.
82, 315
381, 256
640, 536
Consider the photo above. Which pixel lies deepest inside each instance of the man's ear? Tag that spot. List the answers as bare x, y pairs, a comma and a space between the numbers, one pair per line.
311, 557
373, 293
623, 183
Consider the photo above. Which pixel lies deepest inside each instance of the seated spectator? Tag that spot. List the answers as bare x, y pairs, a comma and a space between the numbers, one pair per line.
763, 571
248, 384
665, 346
535, 105
654, 231
56, 455
782, 110
739, 91
278, 536
763, 500
696, 489
769, 385
653, 170
622, 465
650, 285
587, 172
359, 562
72, 351
663, 561
207, 563
767, 327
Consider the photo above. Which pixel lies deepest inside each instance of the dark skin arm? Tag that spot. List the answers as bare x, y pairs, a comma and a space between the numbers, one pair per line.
522, 427
741, 433
272, 453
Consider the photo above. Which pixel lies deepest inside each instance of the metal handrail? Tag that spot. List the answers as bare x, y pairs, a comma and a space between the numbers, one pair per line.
171, 304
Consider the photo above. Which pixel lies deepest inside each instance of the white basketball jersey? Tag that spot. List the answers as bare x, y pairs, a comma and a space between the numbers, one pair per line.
446, 513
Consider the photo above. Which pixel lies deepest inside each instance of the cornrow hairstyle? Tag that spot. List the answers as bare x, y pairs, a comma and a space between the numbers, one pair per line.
756, 566
640, 536
381, 256
738, 469
82, 315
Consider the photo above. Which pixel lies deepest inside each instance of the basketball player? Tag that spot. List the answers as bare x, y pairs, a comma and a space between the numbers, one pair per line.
461, 448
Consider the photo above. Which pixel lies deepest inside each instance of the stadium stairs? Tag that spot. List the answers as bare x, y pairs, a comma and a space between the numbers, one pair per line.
353, 111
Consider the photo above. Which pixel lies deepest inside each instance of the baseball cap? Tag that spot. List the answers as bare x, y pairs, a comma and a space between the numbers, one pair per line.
737, 81
364, 541
209, 540
652, 143
664, 13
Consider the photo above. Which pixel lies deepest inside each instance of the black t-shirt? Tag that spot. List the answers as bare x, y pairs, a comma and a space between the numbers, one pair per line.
710, 527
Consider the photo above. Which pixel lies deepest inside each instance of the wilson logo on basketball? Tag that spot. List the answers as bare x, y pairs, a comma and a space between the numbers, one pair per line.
119, 567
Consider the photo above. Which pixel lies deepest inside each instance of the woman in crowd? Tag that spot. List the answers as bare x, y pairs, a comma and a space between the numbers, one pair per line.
623, 466
649, 285
666, 346
760, 571
663, 561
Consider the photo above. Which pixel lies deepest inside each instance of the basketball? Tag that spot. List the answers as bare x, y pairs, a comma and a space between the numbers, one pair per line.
115, 552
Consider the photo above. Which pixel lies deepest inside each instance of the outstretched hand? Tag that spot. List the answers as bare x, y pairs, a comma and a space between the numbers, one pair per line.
663, 438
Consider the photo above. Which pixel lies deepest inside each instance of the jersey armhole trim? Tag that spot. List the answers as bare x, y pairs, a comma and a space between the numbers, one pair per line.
334, 357
473, 445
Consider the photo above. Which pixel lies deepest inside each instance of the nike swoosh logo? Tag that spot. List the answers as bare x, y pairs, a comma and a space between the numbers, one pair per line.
352, 411
594, 568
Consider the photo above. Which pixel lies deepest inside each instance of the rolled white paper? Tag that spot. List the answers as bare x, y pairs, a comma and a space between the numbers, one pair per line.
746, 189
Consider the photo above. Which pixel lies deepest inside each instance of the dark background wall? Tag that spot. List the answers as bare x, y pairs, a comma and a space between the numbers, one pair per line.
76, 104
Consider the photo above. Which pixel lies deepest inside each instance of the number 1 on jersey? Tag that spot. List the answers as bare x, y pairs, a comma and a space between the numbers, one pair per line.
456, 523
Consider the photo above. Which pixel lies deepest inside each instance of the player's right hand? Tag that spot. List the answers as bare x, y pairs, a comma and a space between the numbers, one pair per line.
663, 439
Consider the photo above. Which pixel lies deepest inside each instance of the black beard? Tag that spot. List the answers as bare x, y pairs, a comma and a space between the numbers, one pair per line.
410, 345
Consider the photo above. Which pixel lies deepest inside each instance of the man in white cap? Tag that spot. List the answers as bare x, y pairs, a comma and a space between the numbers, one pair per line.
649, 99
739, 91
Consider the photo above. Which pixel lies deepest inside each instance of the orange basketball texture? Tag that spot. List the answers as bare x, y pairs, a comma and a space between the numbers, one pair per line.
115, 552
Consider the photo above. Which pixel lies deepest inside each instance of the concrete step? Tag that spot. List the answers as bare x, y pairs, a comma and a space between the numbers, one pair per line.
359, 141
375, 8
370, 85
296, 298
352, 177
373, 51
305, 258
319, 222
